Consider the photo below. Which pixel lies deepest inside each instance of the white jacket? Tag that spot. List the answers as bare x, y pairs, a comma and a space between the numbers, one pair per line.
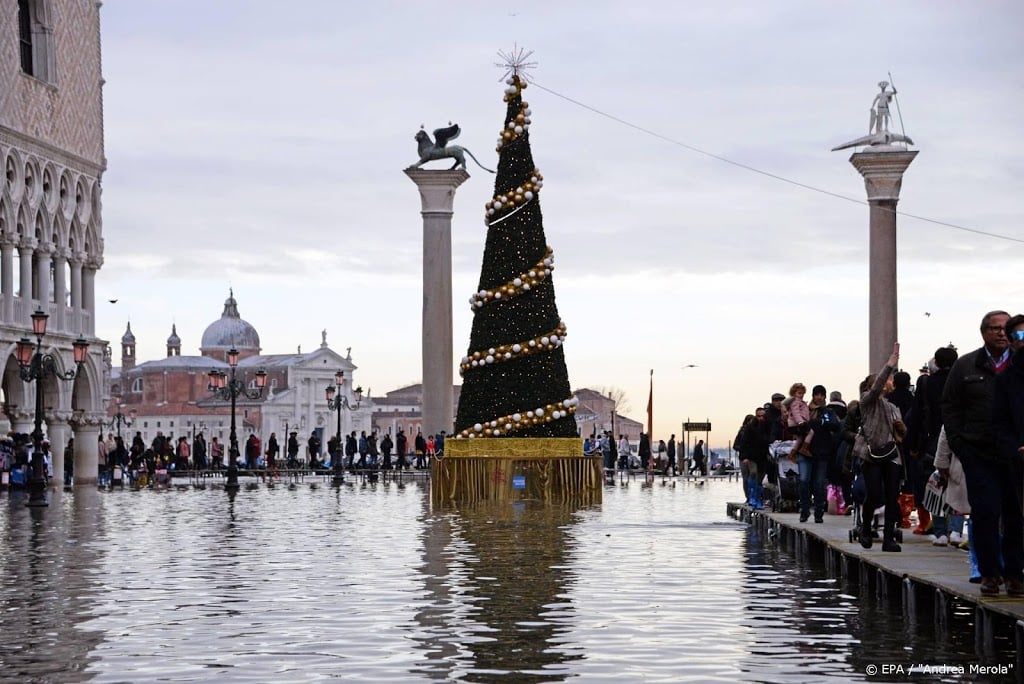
956, 489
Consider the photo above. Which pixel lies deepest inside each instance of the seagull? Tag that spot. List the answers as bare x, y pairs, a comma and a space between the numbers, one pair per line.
690, 365
928, 314
112, 301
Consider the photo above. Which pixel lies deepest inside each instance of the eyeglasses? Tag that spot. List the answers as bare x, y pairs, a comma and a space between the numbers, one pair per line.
995, 329
1017, 336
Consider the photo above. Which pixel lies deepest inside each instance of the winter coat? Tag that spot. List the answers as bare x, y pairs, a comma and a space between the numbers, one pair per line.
956, 483
1008, 409
967, 406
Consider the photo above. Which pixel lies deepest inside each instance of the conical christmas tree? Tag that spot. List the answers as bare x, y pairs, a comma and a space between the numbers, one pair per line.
515, 381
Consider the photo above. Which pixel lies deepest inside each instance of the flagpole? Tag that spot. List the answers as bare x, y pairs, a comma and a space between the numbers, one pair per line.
650, 407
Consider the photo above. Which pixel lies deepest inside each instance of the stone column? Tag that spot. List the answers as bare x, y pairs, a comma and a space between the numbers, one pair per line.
437, 195
89, 297
60, 287
883, 175
25, 254
42, 273
7, 278
87, 452
57, 432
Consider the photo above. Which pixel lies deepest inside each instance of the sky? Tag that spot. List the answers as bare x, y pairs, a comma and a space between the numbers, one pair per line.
259, 146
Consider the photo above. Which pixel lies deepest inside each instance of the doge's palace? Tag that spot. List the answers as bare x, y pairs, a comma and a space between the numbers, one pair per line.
51, 231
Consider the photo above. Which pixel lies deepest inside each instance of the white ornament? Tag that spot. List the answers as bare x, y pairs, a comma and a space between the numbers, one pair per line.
517, 417
526, 286
517, 282
511, 124
529, 414
478, 427
527, 112
497, 295
528, 195
533, 343
516, 348
508, 355
489, 359
518, 129
544, 340
539, 412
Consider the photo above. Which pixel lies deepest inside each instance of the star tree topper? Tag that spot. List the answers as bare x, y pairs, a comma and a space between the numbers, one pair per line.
515, 62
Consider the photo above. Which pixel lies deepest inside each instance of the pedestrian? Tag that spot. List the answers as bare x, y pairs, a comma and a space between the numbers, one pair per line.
272, 450
293, 450
385, 451
967, 418
881, 464
420, 444
672, 454
401, 444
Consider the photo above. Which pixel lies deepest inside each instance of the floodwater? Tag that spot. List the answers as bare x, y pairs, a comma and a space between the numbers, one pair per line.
307, 582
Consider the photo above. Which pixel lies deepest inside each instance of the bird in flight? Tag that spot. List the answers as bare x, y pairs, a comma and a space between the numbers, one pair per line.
112, 301
690, 365
928, 314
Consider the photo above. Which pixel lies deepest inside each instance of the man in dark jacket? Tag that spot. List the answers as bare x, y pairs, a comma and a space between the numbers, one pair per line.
992, 490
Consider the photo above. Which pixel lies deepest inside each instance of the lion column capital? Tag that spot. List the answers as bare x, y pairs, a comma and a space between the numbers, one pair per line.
437, 188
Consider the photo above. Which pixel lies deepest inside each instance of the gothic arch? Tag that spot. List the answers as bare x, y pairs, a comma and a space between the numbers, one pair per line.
83, 203
14, 176
51, 197
31, 179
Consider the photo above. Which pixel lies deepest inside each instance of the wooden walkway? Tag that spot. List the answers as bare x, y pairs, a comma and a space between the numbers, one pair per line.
919, 573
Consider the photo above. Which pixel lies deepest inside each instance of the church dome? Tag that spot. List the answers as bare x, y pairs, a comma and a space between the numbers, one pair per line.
230, 331
174, 340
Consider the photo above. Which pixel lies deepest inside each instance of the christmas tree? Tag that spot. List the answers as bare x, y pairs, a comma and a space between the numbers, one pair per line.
515, 382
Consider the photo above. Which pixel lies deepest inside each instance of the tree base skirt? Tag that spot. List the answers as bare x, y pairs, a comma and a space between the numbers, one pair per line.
512, 469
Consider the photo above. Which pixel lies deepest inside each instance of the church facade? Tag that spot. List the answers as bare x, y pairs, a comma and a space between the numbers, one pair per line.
171, 395
51, 229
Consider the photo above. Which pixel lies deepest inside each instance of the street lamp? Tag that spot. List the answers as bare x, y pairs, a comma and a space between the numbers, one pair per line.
120, 419
225, 386
34, 366
338, 403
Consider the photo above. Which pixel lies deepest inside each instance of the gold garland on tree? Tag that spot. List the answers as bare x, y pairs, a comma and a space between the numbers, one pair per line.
507, 352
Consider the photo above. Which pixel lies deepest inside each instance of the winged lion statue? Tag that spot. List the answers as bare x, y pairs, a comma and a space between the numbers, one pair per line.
438, 148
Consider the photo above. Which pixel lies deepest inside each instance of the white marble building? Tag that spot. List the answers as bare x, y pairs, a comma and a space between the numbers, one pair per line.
51, 230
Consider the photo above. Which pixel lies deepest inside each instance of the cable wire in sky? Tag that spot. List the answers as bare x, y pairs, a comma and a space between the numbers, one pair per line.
752, 169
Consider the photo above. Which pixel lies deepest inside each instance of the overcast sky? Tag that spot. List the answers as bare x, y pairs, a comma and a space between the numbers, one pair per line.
259, 145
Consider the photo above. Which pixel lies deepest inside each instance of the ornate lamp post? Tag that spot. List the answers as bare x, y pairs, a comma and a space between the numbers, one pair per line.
339, 403
120, 419
35, 366
225, 386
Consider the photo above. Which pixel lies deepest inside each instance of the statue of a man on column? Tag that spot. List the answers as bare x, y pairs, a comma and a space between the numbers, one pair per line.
880, 109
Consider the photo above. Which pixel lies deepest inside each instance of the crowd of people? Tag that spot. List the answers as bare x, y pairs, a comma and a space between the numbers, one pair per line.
166, 453
948, 447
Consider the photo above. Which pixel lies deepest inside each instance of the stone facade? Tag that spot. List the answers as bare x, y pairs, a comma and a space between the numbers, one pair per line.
51, 149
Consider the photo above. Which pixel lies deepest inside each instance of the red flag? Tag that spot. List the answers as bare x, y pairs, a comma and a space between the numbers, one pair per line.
650, 406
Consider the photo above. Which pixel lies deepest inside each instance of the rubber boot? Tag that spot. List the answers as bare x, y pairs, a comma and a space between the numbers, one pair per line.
866, 539
906, 503
756, 494
889, 540
924, 521
975, 577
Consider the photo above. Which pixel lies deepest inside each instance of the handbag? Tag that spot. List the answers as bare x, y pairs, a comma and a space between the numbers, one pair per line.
888, 450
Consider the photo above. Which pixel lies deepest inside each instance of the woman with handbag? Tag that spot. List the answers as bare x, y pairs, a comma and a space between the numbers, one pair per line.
876, 444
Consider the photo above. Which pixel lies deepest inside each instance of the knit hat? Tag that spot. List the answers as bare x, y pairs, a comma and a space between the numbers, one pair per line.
818, 389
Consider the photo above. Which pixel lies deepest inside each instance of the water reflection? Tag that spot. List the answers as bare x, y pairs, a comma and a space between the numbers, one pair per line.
46, 595
497, 573
300, 581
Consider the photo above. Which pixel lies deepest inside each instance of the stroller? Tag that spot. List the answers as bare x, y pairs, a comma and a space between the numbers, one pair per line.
785, 495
